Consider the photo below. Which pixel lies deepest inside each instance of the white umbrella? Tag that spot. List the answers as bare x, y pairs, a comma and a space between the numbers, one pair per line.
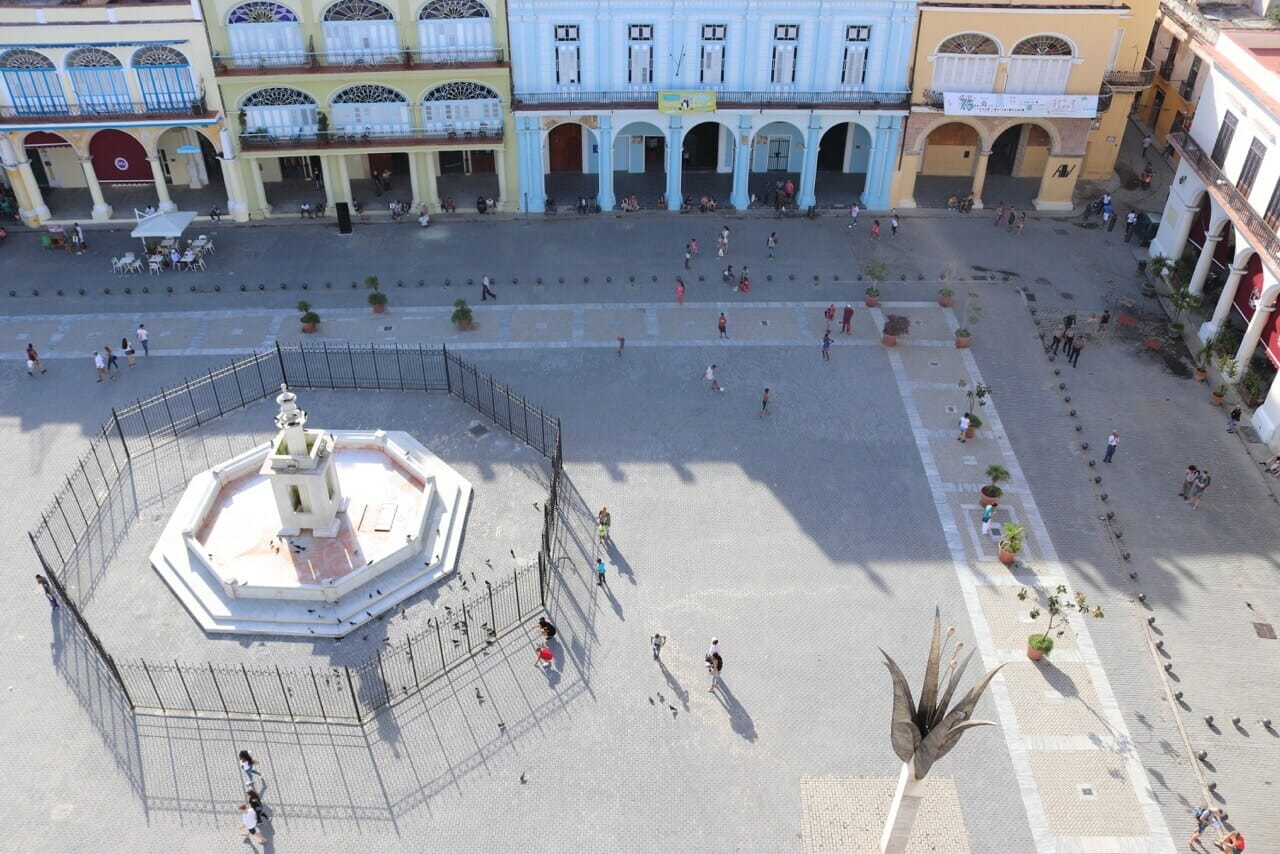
170, 224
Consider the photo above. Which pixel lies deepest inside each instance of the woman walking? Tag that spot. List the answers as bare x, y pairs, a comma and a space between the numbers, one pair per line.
129, 353
249, 766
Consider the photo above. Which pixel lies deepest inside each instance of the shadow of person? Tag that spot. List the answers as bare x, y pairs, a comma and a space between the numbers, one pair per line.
56, 641
738, 717
674, 684
613, 600
624, 568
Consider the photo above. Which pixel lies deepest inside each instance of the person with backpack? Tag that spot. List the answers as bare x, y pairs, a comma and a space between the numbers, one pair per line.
255, 803
1198, 487
714, 664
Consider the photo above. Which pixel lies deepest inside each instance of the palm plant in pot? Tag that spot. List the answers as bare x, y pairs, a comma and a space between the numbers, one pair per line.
877, 272
1201, 359
1251, 385
1011, 542
461, 316
1181, 300
1228, 369
309, 318
1157, 268
975, 424
895, 325
1057, 604
992, 491
377, 299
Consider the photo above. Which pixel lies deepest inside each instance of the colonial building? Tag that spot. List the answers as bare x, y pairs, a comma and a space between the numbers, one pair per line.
104, 95
327, 94
1223, 210
1033, 95
709, 98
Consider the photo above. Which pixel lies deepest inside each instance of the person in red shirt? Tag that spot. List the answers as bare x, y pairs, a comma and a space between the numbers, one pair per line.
846, 320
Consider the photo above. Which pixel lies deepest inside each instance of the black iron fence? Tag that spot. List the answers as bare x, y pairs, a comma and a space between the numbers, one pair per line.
75, 520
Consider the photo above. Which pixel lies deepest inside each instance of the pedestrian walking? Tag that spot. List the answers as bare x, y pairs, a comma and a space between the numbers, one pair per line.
656, 643
1103, 322
688, 257
764, 404
77, 238
602, 533
853, 214
254, 800
215, 215
1055, 339
710, 377
1068, 338
1009, 220
1077, 347
130, 354
249, 824
893, 224
622, 345
720, 248
1111, 219
1233, 419
724, 238
113, 363
543, 656
826, 346
1130, 225
987, 513
715, 664
679, 291
1188, 481
249, 766
600, 572
722, 325
999, 215
772, 243
1205, 817
846, 319
964, 426
547, 628
486, 289
1113, 442
1022, 224
33, 360
829, 314
1201, 483
141, 337
1146, 145
604, 517
47, 589
693, 246
99, 364
875, 229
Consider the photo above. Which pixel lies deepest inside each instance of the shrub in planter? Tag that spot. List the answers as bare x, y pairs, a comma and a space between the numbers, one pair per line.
378, 300
871, 296
995, 474
1251, 385
975, 424
962, 338
461, 316
1011, 542
309, 318
877, 272
1057, 603
895, 325
944, 297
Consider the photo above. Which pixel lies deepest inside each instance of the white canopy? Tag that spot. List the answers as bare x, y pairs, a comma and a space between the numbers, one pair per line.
170, 224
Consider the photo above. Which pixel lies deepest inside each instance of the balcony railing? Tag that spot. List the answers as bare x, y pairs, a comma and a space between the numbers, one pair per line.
1166, 70
641, 98
1247, 220
1105, 94
54, 114
1131, 80
345, 61
368, 139
935, 99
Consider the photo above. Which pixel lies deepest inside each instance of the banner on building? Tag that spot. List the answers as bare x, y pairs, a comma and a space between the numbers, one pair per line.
1029, 106
686, 102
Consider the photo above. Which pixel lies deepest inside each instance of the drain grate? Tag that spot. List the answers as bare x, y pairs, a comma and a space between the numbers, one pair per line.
477, 430
386, 329
1265, 630
764, 323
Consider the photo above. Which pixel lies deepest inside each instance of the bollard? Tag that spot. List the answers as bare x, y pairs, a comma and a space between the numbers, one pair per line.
791, 278
328, 286
586, 280
1235, 719
1208, 719
1212, 786
1072, 413
59, 291
1092, 463
243, 288
1062, 386
1097, 479
217, 289
107, 291
1084, 446
1133, 576
1079, 427
1168, 667
261, 286
1124, 555
1265, 723
81, 292
1177, 695
608, 280
1160, 644
1110, 515
1142, 597
1151, 621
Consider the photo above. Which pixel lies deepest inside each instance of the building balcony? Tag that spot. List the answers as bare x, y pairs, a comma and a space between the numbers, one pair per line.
1131, 81
345, 62
1105, 94
1244, 218
935, 99
647, 99
53, 114
370, 139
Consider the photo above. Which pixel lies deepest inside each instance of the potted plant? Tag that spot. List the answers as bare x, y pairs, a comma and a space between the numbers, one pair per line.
378, 300
1157, 267
975, 423
1201, 359
309, 318
995, 473
1057, 604
1251, 385
1227, 369
1011, 542
1180, 300
322, 128
461, 316
877, 272
944, 296
871, 296
894, 325
971, 315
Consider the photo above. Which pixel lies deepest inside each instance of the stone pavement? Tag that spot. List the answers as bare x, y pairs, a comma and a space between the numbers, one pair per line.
772, 533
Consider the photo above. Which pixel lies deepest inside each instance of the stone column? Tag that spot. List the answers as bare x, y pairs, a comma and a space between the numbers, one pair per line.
259, 188
979, 178
500, 166
809, 170
342, 192
1251, 335
101, 210
237, 208
885, 146
673, 164
1210, 328
740, 195
1267, 416
604, 133
415, 180
533, 181
1175, 226
328, 172
31, 206
1201, 272
429, 173
162, 188
902, 812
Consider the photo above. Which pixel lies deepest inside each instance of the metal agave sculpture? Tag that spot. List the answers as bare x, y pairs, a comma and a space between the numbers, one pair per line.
925, 732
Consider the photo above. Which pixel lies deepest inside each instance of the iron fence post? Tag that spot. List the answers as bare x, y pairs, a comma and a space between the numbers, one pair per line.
154, 689
413, 665
120, 431
213, 674
284, 692
316, 683
284, 375
440, 641
466, 626
178, 669
493, 618
257, 710
448, 381
355, 702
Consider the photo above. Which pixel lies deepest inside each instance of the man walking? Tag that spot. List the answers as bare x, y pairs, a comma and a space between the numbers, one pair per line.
33, 360
964, 426
47, 589
656, 643
710, 377
1113, 442
486, 292
772, 243
1130, 225
893, 223
1077, 346
688, 256
600, 572
987, 513
714, 663
826, 346
99, 364
853, 214
1188, 481
1198, 488
846, 319
141, 337
764, 404
722, 324
1056, 339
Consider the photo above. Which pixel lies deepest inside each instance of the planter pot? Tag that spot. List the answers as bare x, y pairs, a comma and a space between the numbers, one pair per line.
970, 432
871, 302
1201, 373
1033, 653
962, 343
464, 325
308, 328
1148, 289
1216, 399
889, 340
380, 309
1007, 558
943, 300
984, 499
1251, 400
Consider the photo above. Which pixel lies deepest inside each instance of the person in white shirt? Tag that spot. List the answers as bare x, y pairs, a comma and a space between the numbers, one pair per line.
99, 364
249, 824
142, 336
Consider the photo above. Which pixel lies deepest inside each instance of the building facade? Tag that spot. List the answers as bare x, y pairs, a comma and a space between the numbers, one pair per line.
709, 98
102, 96
1036, 93
1223, 210
326, 94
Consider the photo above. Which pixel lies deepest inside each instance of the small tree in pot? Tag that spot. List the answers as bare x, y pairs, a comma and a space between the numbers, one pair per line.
992, 491
1011, 542
970, 316
944, 296
309, 318
877, 272
895, 325
461, 316
1057, 604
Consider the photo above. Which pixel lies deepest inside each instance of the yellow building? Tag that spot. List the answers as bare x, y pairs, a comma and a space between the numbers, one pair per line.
325, 95
101, 96
1034, 96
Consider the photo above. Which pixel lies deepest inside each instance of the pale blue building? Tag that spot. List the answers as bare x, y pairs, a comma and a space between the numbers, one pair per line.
611, 99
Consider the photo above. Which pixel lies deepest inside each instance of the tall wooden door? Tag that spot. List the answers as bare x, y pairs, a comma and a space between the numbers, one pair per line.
565, 143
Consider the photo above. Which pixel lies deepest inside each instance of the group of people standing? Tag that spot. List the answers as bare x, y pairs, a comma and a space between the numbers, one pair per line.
106, 362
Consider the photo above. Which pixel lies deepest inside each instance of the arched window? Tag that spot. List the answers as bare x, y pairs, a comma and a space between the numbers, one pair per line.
263, 33
455, 31
460, 107
98, 80
360, 32
966, 62
1040, 65
370, 109
164, 76
279, 112
33, 84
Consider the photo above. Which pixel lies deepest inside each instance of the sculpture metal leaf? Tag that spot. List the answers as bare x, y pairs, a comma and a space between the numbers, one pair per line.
924, 734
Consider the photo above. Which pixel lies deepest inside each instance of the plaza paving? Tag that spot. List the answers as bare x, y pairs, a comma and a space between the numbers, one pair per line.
803, 540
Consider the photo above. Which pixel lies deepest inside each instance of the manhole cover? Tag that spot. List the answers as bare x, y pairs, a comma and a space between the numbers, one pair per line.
1066, 295
1250, 435
477, 430
386, 329
764, 323
1265, 630
934, 364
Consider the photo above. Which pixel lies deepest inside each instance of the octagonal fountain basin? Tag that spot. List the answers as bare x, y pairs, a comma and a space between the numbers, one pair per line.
235, 565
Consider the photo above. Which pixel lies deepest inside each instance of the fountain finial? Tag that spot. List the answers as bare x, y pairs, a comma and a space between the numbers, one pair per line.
289, 415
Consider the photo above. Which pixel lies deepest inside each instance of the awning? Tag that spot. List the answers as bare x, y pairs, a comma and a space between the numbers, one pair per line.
170, 224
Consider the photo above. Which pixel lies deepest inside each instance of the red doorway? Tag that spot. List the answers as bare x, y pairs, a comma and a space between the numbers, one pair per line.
565, 144
119, 158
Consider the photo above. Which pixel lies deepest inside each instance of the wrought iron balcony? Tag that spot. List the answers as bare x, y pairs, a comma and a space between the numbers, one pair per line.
1166, 70
369, 139
934, 99
122, 112
647, 98
1131, 80
1246, 220
339, 62
1105, 95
